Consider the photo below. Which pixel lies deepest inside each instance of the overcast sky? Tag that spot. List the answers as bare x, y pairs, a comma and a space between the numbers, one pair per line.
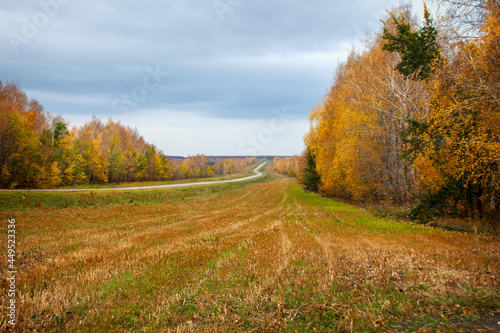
224, 77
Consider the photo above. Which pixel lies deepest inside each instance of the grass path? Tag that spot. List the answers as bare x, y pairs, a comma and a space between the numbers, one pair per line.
262, 256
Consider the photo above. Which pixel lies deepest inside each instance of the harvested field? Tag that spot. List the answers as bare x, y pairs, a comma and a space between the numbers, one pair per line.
258, 256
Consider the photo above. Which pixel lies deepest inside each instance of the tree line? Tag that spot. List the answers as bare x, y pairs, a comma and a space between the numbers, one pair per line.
290, 166
38, 150
415, 116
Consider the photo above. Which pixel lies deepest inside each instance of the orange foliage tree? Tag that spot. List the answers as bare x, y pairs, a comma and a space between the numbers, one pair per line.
355, 132
409, 119
38, 150
290, 166
457, 148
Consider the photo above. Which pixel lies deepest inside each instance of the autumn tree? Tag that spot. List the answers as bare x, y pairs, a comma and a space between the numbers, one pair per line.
408, 118
287, 165
39, 150
355, 131
20, 154
457, 149
196, 166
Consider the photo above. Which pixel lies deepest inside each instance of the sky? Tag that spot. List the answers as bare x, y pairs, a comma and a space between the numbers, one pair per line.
213, 77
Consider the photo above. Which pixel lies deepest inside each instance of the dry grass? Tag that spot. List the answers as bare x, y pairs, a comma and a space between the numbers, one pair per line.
259, 257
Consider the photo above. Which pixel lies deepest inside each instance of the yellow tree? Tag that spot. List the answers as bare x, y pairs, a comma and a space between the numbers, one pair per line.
460, 143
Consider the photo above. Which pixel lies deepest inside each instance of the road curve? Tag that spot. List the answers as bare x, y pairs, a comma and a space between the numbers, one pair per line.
152, 187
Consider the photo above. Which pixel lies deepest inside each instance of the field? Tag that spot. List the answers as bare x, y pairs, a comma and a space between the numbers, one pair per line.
256, 256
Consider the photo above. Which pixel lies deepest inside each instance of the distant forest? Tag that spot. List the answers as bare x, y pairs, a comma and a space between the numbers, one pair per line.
38, 150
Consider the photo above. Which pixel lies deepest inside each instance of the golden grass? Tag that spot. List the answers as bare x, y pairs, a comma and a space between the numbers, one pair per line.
261, 257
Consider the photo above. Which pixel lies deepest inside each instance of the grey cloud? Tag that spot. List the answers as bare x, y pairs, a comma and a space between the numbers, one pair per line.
263, 55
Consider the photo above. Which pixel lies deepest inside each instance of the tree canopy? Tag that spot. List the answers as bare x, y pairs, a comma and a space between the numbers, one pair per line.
411, 121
